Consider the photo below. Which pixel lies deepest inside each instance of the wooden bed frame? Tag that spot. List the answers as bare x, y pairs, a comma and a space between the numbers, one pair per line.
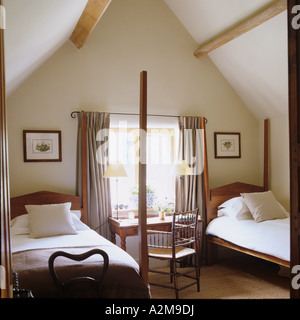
217, 196
38, 260
17, 204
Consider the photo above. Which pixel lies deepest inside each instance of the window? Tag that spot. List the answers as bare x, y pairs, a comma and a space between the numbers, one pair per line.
162, 135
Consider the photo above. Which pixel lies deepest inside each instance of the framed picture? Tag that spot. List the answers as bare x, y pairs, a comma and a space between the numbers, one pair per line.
42, 145
227, 145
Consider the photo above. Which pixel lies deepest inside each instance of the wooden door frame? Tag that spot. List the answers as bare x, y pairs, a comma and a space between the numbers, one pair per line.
294, 137
6, 285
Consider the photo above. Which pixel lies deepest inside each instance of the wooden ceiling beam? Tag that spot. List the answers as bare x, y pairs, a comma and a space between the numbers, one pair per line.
90, 16
250, 23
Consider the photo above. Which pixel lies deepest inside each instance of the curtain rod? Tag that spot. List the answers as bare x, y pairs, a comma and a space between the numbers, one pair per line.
73, 115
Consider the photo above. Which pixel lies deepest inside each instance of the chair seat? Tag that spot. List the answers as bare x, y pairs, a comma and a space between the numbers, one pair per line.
166, 253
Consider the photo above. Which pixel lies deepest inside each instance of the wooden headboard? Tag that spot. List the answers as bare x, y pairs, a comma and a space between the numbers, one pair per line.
224, 193
42, 197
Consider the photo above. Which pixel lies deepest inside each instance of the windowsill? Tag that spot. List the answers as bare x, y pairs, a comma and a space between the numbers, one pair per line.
124, 213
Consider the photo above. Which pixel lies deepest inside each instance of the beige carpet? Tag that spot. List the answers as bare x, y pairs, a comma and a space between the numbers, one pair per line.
241, 277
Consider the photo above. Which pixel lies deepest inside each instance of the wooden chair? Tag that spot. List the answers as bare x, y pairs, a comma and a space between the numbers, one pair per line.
81, 286
180, 243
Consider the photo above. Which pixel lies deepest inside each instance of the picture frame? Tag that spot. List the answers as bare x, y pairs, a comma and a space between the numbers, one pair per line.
42, 146
227, 145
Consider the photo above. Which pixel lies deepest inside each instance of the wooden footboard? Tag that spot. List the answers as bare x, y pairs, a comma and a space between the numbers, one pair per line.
212, 242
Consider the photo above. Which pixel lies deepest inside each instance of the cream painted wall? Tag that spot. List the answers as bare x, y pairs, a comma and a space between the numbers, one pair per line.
279, 160
279, 166
132, 36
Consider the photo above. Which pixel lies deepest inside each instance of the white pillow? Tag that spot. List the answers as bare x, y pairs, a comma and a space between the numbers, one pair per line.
235, 208
50, 220
78, 224
264, 206
20, 224
77, 213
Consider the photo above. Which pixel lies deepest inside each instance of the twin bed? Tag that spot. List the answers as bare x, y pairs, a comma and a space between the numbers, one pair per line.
45, 222
248, 219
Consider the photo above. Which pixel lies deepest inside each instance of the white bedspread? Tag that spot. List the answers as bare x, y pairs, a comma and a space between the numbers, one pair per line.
270, 237
82, 238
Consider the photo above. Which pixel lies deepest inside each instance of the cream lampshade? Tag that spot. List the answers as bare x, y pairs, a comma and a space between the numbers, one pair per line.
181, 168
115, 170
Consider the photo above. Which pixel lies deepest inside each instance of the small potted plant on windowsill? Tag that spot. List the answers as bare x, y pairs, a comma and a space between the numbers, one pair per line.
164, 208
150, 194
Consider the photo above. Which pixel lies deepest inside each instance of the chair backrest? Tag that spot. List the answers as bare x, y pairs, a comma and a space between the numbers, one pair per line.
81, 286
185, 228
184, 233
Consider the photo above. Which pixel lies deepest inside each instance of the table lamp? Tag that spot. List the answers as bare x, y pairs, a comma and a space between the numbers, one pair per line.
115, 170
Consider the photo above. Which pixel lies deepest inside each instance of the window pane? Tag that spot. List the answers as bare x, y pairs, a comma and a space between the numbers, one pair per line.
161, 149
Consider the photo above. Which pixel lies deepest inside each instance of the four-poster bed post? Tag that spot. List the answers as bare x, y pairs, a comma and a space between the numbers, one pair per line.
142, 208
266, 154
5, 262
84, 170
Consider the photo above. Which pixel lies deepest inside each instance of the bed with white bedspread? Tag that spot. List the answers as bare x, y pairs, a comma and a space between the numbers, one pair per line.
248, 219
48, 224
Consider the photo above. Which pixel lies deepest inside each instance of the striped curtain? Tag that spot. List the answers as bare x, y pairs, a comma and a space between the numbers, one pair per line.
190, 190
98, 187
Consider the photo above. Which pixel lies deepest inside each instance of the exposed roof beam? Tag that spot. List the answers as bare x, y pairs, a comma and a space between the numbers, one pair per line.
251, 22
91, 14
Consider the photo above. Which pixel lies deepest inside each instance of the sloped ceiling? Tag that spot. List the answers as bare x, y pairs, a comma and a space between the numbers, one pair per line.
255, 64
35, 29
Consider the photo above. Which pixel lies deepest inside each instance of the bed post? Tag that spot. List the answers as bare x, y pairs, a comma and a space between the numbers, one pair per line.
266, 154
142, 208
210, 252
205, 169
5, 262
83, 170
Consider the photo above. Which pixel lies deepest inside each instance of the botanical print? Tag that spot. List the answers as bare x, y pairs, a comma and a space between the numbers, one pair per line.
42, 145
228, 145
45, 146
